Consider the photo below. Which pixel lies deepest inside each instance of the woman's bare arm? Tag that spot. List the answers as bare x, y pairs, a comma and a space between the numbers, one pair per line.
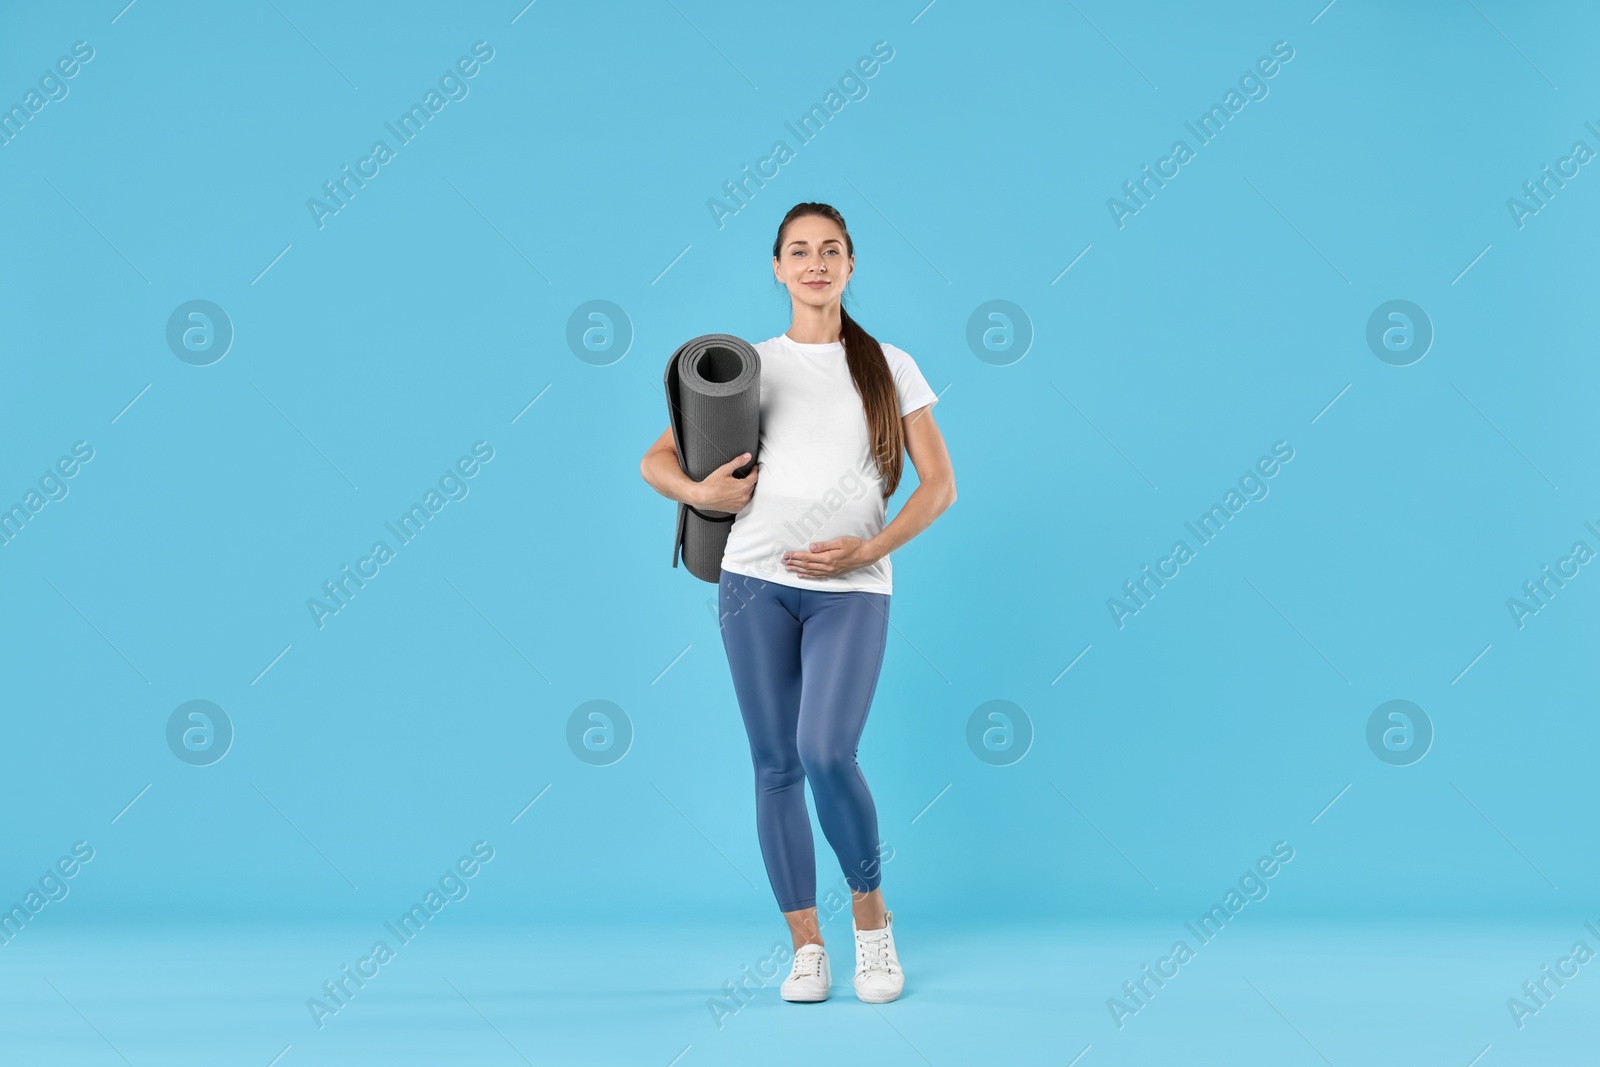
720, 491
660, 468
936, 484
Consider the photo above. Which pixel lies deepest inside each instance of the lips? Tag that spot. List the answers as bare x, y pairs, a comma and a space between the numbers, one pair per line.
815, 285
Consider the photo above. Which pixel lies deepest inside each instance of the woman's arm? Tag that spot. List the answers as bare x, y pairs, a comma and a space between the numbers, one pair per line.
936, 484
936, 490
720, 491
660, 468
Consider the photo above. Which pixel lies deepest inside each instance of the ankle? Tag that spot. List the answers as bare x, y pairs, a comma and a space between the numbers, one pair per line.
869, 910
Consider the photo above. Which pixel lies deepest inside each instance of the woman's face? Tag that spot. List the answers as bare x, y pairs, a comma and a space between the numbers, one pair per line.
812, 262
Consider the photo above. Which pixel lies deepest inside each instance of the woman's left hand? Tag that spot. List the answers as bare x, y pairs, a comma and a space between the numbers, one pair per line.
828, 559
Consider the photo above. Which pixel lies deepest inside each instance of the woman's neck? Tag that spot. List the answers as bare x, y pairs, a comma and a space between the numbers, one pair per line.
815, 326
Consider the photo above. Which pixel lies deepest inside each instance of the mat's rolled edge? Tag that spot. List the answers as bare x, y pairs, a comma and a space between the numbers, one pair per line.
669, 382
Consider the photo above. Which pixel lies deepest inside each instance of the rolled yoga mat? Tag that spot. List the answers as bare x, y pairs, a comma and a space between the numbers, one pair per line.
713, 387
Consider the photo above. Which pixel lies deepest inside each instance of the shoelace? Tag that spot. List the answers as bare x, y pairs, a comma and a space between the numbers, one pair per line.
807, 964
873, 953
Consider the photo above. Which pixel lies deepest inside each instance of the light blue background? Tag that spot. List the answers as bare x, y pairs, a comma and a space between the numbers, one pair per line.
422, 318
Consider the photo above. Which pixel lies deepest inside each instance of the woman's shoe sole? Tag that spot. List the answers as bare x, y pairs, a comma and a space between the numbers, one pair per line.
876, 999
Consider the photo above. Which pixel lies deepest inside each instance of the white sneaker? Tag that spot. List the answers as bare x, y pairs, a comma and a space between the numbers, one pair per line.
810, 976
879, 978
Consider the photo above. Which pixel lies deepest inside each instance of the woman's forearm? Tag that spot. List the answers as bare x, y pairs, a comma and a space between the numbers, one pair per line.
660, 468
926, 503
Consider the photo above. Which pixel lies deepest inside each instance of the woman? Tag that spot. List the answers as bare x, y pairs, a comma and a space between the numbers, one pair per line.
806, 581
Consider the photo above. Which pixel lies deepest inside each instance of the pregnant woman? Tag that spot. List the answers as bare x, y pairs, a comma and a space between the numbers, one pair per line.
806, 581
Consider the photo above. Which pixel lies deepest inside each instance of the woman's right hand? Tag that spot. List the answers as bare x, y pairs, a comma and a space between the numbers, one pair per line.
721, 491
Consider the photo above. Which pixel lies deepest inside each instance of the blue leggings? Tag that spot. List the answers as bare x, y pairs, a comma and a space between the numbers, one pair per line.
805, 664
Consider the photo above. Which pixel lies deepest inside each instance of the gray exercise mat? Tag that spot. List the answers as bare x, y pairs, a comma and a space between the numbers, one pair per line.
713, 387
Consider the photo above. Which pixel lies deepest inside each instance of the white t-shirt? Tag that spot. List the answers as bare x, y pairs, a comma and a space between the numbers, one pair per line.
817, 479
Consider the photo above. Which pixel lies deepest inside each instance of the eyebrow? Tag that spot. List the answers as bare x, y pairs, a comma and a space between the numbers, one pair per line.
829, 241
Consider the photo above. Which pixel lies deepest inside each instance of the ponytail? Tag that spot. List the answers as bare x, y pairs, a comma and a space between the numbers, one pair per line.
869, 370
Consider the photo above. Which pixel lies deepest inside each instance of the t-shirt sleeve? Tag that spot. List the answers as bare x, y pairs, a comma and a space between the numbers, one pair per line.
912, 388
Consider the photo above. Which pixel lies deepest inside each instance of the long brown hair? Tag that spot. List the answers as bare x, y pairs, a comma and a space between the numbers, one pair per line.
869, 369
